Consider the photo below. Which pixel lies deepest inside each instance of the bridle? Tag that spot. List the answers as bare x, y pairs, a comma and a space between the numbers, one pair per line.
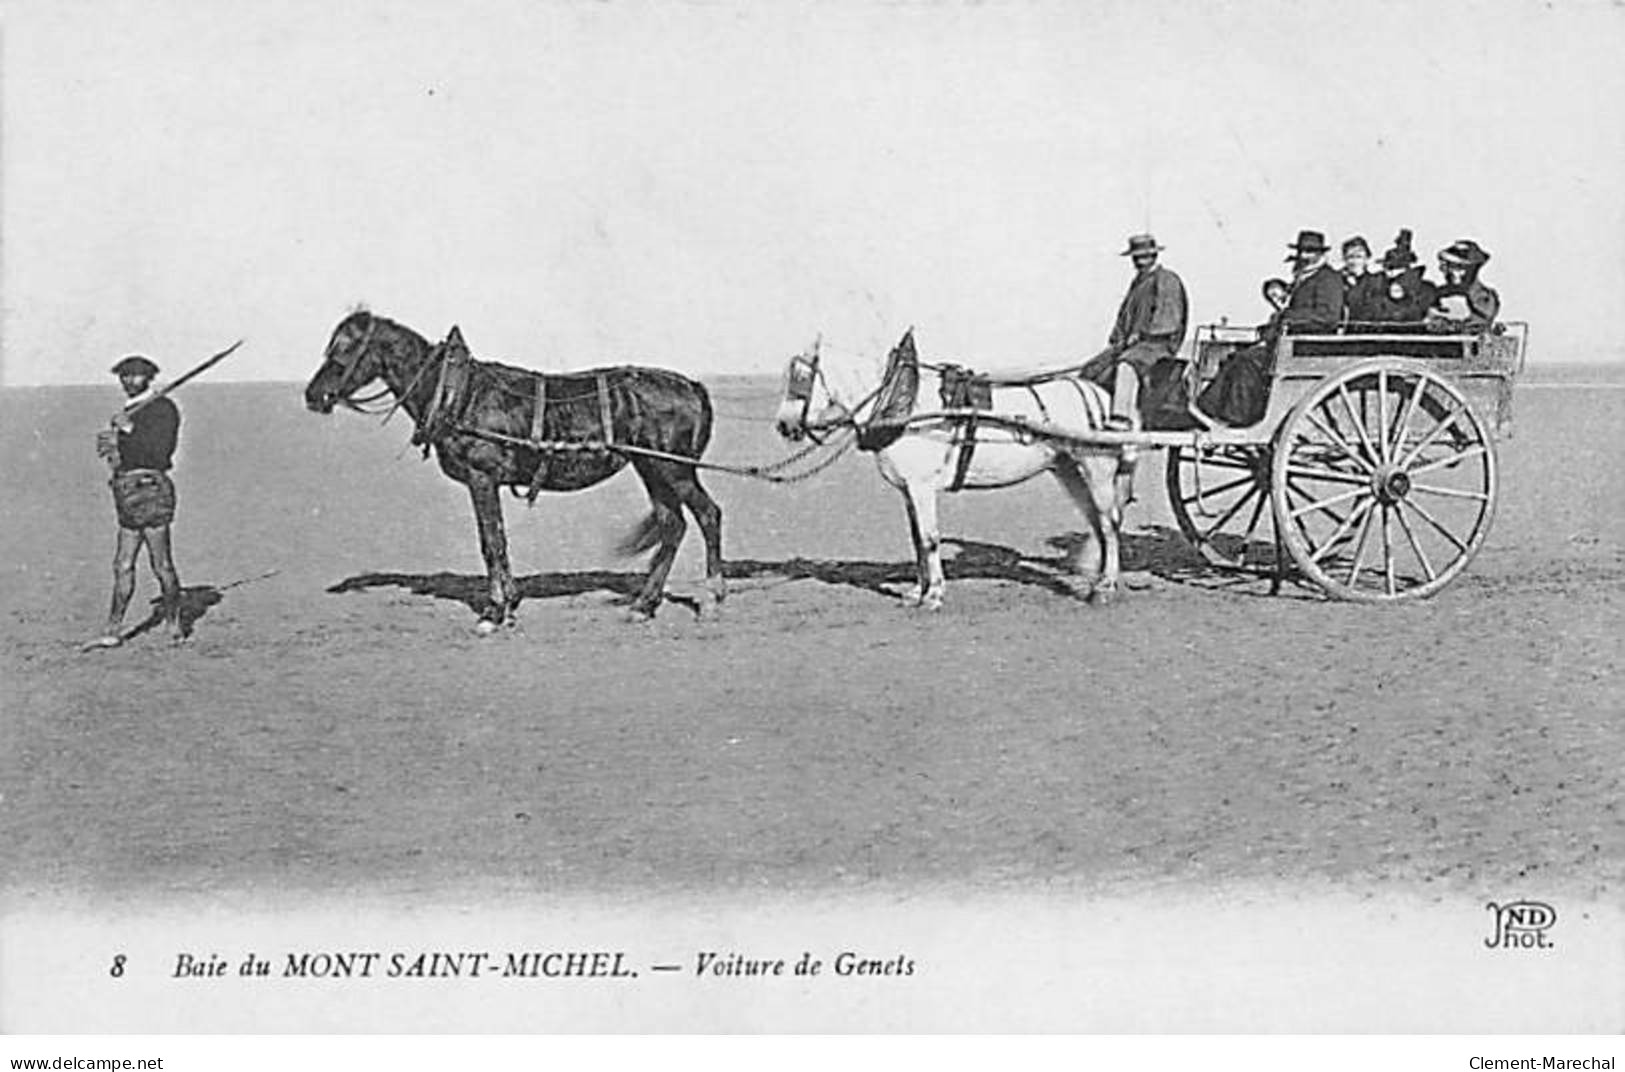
803, 376
350, 382
806, 372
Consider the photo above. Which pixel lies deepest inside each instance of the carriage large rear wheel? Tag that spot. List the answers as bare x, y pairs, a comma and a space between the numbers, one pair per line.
1220, 498
1383, 482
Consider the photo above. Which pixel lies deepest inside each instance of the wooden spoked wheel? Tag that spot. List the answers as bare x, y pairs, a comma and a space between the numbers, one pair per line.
1383, 482
1220, 497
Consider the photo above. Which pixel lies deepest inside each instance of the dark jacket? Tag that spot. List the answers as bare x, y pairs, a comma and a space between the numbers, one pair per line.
1154, 310
1316, 304
1483, 306
1350, 280
1390, 303
150, 443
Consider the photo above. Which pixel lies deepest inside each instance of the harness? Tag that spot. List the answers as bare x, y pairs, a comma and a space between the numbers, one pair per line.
894, 401
451, 390
456, 388
965, 395
964, 389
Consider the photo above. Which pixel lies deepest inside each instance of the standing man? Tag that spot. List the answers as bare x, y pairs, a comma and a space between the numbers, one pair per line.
1150, 329
140, 446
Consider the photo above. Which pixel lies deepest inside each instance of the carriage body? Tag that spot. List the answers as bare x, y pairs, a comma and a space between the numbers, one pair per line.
1481, 366
1373, 469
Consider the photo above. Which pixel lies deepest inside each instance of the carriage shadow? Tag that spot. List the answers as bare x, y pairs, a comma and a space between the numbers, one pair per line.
1159, 552
1162, 552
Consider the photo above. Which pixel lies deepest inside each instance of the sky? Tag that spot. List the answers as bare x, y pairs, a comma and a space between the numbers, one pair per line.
708, 186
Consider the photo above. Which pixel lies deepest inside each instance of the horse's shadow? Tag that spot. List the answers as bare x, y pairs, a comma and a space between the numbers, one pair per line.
470, 589
1158, 551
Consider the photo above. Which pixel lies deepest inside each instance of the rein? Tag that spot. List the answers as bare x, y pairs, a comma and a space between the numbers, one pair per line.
772, 472
400, 399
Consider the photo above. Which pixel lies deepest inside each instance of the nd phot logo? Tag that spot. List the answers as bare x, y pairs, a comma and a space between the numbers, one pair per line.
1521, 925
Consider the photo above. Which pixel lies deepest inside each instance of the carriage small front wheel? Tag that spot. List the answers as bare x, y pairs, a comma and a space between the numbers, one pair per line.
1383, 482
1220, 498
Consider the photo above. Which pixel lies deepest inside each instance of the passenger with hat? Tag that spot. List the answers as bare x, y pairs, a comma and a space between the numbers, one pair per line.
1239, 394
140, 448
1275, 293
1316, 304
1395, 300
1149, 331
1356, 261
1462, 305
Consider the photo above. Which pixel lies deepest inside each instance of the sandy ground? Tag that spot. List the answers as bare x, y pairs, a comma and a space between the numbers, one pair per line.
337, 727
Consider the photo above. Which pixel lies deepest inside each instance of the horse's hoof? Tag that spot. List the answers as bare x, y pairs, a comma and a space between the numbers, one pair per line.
931, 601
1080, 588
1104, 595
712, 598
640, 615
911, 598
485, 627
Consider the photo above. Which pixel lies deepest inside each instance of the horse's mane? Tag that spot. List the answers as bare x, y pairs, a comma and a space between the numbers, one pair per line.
363, 309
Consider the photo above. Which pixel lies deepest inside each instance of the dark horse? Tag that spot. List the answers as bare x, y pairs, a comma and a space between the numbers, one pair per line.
481, 417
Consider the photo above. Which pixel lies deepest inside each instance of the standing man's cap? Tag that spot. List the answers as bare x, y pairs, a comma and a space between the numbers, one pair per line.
1140, 244
1465, 251
1357, 242
135, 365
1308, 242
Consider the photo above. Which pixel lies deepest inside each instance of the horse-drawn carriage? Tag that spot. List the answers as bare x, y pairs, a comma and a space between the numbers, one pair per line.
1373, 470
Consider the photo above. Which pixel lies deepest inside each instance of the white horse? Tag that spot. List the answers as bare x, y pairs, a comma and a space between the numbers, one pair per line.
928, 454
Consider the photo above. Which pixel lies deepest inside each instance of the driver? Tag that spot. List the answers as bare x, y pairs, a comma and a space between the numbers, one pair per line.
1149, 331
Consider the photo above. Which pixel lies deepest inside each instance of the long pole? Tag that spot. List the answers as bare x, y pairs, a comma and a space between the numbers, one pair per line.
174, 384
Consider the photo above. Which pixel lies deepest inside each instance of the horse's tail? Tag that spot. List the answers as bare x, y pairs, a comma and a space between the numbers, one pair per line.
643, 537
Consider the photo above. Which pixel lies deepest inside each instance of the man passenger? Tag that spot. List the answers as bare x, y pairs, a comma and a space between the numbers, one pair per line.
1318, 292
1239, 394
